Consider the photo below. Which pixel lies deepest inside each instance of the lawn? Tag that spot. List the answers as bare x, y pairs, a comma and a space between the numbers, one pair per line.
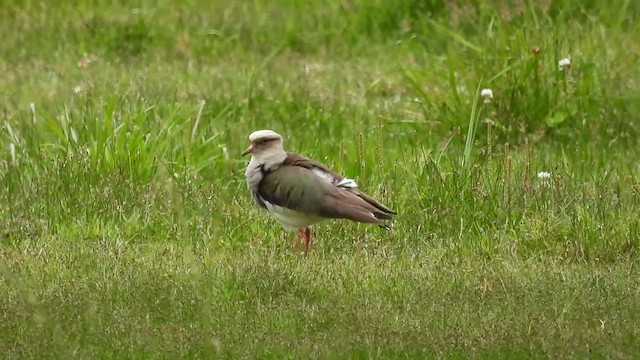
127, 231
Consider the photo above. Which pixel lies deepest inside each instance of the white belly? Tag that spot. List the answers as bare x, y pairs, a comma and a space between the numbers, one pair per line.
291, 220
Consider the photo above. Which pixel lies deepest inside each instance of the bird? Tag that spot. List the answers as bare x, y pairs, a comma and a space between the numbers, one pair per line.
300, 192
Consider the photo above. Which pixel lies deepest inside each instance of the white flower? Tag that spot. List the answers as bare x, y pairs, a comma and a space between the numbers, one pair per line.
545, 179
77, 89
487, 94
564, 64
544, 175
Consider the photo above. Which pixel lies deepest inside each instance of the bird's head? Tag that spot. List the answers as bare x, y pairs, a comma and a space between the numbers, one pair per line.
265, 145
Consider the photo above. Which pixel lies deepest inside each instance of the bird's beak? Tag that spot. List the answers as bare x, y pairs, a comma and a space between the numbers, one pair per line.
249, 150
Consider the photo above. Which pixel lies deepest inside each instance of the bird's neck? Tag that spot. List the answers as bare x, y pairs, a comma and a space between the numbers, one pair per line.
269, 159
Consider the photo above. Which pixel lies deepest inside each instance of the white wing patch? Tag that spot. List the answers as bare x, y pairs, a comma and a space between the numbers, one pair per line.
343, 183
323, 174
347, 183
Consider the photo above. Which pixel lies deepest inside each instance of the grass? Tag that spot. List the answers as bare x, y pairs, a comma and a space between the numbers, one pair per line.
126, 229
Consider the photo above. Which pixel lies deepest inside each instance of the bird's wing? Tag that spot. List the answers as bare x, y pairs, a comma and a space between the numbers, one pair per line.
333, 177
300, 189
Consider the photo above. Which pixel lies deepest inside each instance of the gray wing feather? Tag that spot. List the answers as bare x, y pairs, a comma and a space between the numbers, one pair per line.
294, 185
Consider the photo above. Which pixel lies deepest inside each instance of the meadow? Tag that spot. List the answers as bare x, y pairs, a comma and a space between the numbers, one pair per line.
127, 231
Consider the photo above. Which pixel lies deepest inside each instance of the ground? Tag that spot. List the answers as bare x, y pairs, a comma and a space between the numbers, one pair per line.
126, 229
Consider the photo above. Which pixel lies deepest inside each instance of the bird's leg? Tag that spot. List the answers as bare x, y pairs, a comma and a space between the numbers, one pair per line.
307, 241
298, 240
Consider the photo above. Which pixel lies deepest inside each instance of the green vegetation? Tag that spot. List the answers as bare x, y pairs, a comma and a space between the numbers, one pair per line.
126, 230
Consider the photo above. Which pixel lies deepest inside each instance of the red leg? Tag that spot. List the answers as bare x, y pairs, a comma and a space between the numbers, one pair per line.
298, 240
307, 241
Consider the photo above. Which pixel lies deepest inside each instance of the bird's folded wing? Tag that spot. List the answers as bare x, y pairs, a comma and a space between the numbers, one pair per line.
295, 188
334, 178
298, 188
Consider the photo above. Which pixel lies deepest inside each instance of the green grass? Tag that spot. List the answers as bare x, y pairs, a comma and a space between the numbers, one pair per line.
126, 230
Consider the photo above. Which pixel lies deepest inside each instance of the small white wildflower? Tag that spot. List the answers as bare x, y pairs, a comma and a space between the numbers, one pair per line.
487, 94
545, 179
544, 175
564, 64
77, 89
